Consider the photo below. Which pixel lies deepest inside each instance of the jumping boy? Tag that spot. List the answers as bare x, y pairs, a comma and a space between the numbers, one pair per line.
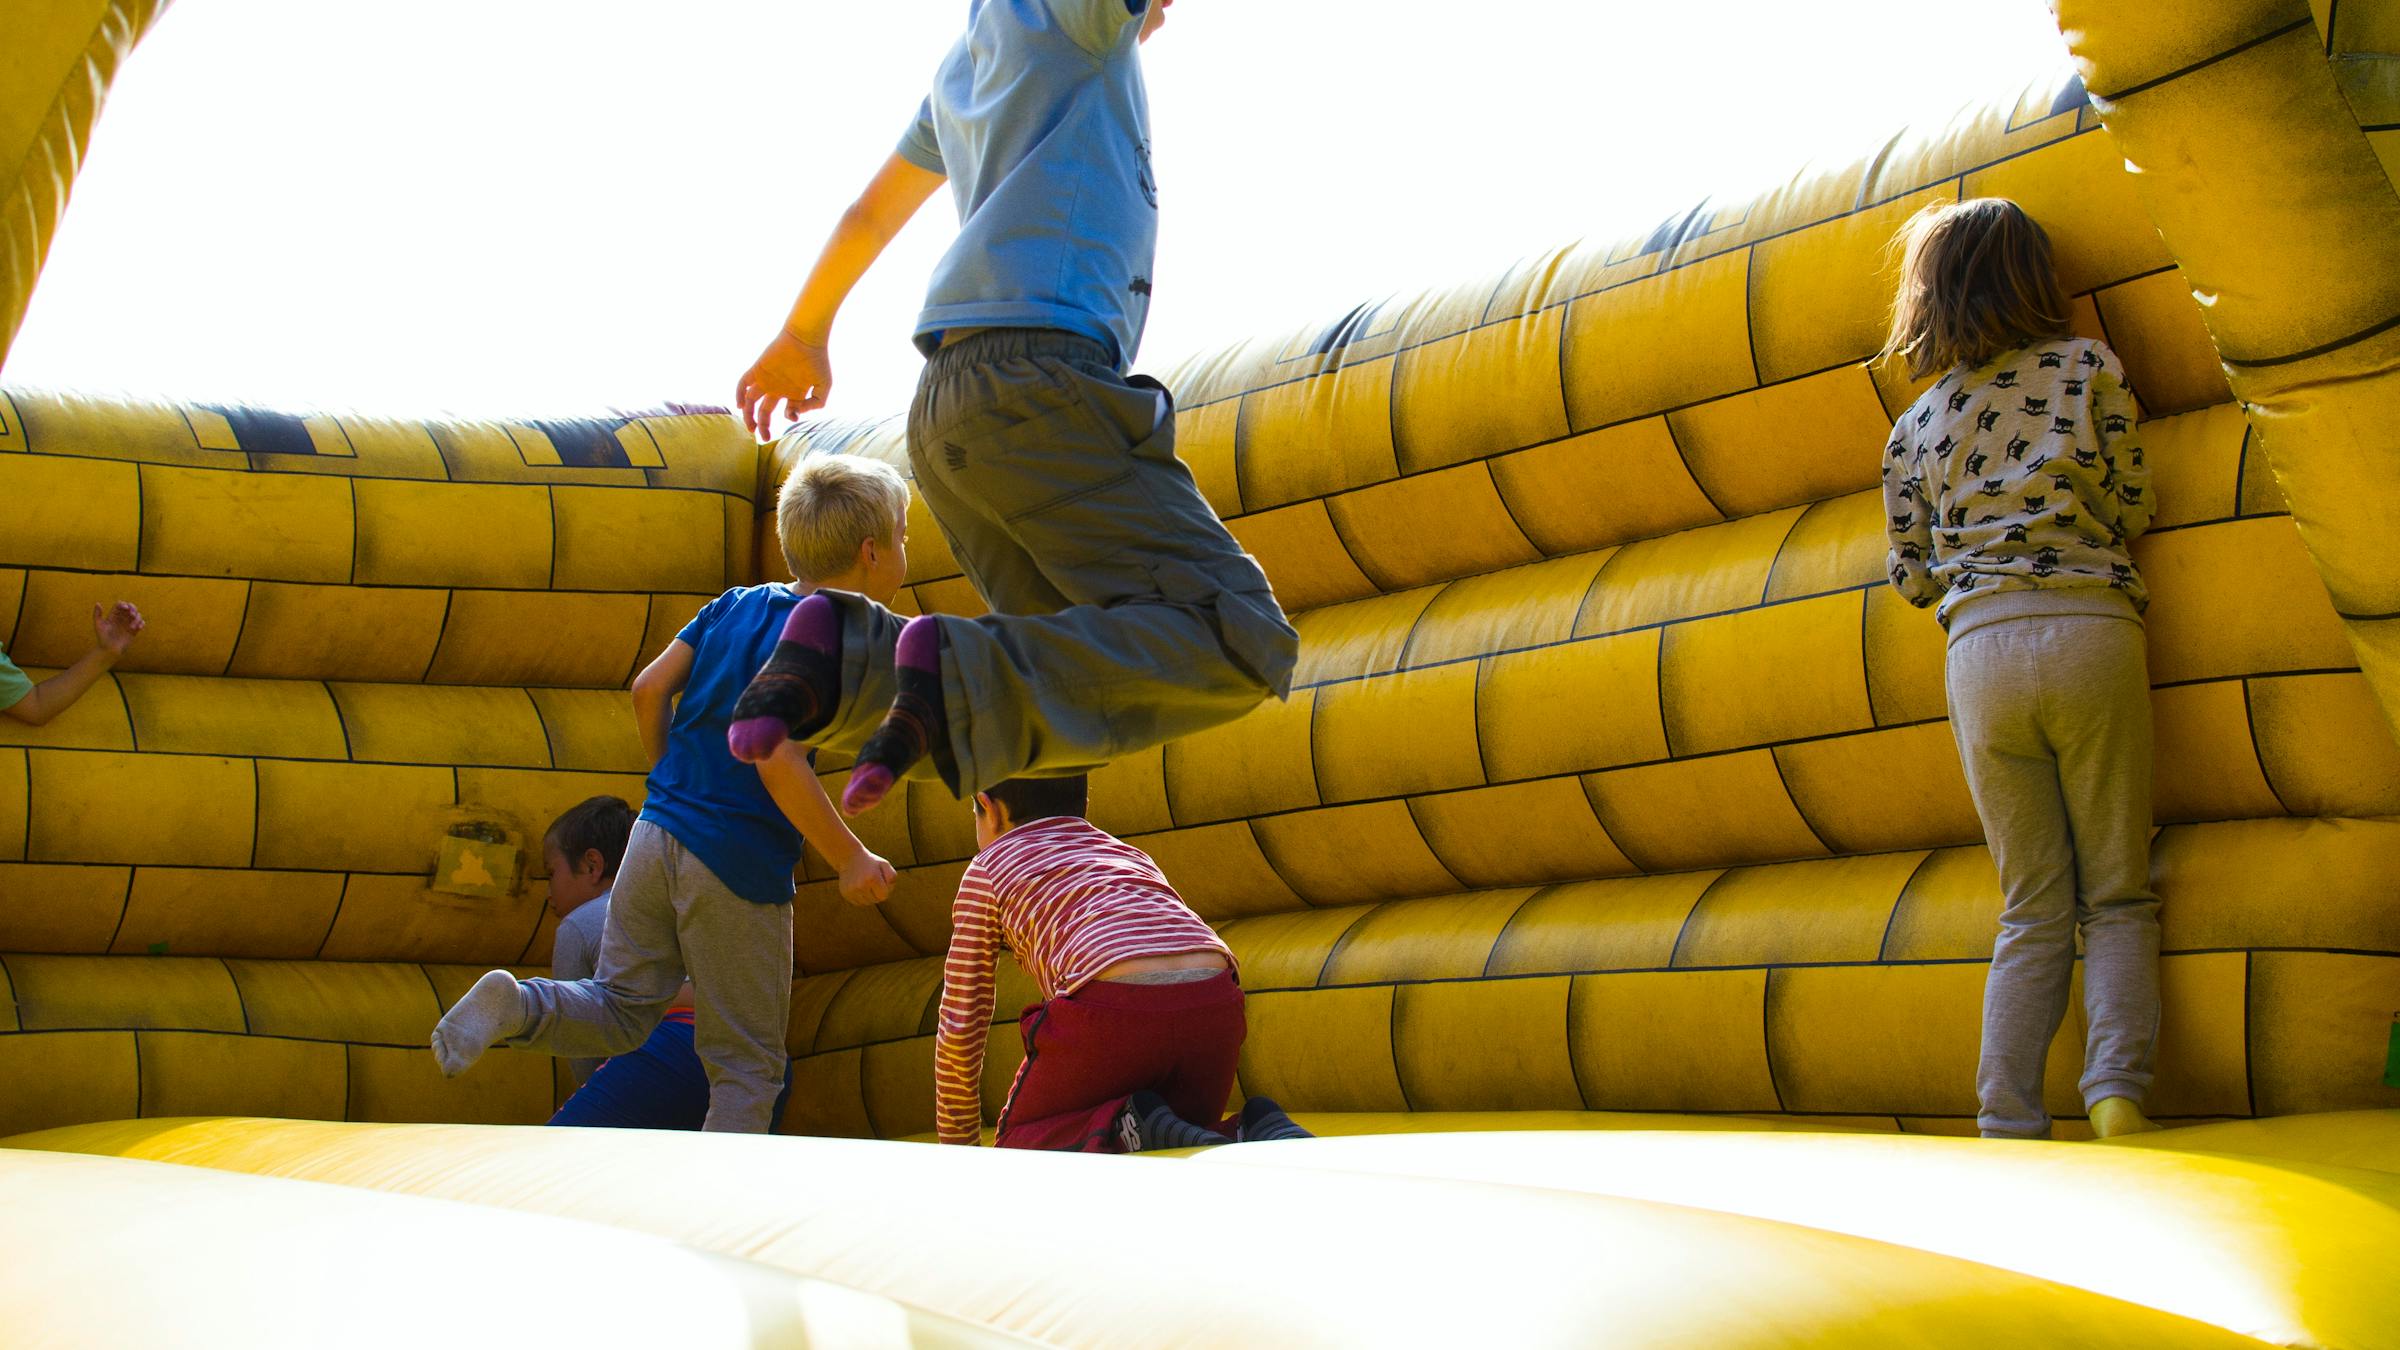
1124, 614
1141, 1025
706, 882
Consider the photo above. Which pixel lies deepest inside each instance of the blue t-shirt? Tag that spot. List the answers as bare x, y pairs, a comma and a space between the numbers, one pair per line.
712, 803
1040, 120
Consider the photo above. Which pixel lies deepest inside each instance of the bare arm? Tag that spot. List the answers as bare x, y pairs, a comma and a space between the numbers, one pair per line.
654, 692
866, 879
795, 370
113, 630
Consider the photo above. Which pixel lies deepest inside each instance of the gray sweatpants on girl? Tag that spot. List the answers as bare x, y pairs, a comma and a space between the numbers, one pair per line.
2050, 702
669, 917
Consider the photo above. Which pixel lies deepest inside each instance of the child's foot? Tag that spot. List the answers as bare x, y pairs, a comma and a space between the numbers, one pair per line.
491, 1012
1261, 1118
2113, 1116
914, 726
795, 694
1146, 1122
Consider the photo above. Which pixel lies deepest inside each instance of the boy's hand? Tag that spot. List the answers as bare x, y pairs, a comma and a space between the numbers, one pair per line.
115, 626
793, 372
867, 879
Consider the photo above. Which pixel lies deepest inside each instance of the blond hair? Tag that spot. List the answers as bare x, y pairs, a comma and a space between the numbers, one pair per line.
1976, 280
829, 504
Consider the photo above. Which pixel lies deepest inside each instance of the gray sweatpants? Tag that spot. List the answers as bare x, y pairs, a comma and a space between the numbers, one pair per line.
669, 917
2052, 715
1123, 613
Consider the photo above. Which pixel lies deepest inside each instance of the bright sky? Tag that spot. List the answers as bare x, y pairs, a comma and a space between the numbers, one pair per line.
559, 206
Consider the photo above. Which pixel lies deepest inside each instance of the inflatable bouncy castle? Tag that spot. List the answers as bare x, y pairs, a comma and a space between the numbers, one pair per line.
1607, 893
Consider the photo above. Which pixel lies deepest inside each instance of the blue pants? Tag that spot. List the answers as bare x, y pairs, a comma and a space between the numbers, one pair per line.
660, 1086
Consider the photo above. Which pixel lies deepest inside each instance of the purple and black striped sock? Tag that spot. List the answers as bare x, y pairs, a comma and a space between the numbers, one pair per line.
794, 695
915, 725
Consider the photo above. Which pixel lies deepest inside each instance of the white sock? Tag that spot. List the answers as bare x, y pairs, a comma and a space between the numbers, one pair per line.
492, 1011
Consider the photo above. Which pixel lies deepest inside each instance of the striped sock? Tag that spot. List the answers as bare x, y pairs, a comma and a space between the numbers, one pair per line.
914, 726
1146, 1122
1261, 1119
794, 695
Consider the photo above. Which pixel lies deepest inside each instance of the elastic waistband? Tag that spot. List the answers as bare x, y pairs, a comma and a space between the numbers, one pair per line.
1982, 609
1219, 987
986, 345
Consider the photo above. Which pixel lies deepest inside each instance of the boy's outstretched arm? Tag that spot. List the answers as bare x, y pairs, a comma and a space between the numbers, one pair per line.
113, 630
795, 370
792, 781
654, 692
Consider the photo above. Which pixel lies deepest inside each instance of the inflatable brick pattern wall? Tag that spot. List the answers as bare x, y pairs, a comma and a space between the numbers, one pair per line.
1616, 778
1588, 559
2248, 126
364, 634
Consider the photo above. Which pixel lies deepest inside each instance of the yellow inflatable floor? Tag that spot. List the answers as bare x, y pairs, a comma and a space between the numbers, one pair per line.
1607, 893
1641, 1238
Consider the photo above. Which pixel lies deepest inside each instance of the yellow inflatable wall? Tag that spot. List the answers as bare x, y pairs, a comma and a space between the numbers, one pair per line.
1616, 778
1616, 792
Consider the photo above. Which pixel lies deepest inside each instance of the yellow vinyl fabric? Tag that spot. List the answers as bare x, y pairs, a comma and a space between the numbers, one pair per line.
2288, 1253
1418, 1261
88, 1263
57, 58
2246, 127
1617, 777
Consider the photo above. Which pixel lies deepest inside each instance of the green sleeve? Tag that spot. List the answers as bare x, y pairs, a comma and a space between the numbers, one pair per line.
14, 683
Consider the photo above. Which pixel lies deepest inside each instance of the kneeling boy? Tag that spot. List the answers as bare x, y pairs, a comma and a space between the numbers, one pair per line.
1136, 1042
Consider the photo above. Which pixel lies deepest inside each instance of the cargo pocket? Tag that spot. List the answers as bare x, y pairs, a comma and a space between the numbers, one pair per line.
1250, 624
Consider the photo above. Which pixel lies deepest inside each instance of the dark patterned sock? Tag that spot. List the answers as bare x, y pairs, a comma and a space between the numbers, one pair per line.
915, 724
795, 693
1261, 1118
1146, 1122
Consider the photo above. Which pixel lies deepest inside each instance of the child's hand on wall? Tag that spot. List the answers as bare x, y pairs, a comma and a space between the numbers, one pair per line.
116, 626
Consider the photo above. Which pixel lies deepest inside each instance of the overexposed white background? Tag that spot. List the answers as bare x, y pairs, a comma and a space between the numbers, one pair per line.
559, 206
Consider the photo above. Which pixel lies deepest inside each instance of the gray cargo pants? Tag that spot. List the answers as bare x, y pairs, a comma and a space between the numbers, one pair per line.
2052, 716
668, 917
1123, 613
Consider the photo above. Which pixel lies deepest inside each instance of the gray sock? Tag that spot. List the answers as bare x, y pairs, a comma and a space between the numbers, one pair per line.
492, 1011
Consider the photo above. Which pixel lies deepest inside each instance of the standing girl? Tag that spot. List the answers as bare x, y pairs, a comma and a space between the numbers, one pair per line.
2012, 489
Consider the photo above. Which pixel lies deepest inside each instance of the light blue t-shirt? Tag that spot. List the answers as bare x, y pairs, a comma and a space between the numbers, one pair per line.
1040, 120
712, 803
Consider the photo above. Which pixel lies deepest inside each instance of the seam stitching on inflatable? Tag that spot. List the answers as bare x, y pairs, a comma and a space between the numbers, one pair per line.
2305, 21
2249, 1026
1574, 1061
1883, 949
1414, 823
125, 906
2321, 349
1500, 938
334, 920
1399, 1065
2258, 752
449, 598
240, 626
1297, 990
1766, 1036
1955, 179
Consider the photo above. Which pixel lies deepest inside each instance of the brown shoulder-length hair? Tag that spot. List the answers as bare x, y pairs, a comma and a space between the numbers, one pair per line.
1976, 280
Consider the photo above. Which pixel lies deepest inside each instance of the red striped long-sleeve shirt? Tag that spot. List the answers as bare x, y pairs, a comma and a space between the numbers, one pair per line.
1070, 900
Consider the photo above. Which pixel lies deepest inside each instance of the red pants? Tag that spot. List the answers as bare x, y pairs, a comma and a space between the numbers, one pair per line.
1087, 1052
